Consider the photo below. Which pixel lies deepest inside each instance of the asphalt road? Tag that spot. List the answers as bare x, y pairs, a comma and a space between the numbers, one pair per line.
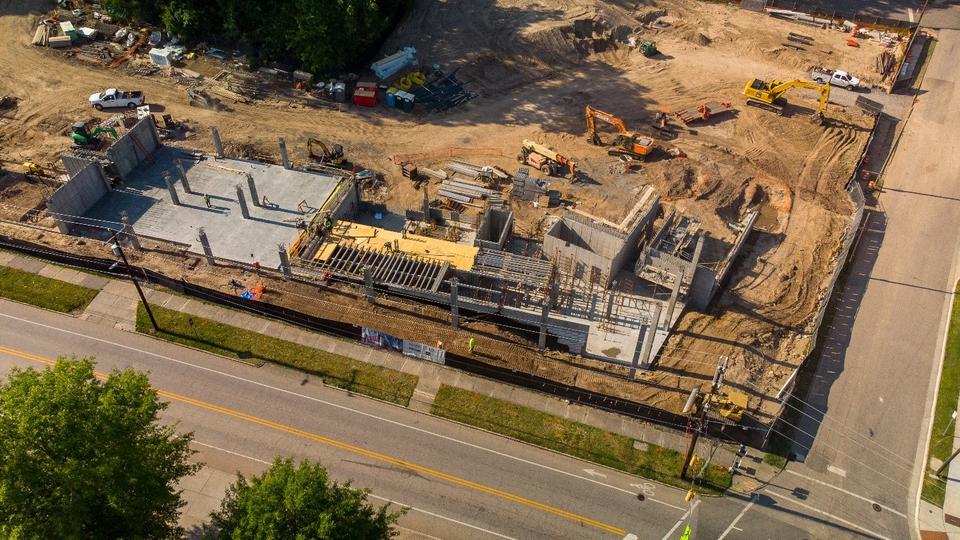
938, 13
461, 482
878, 370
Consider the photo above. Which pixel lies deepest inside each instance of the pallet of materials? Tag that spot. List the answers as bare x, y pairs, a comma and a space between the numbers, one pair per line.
704, 112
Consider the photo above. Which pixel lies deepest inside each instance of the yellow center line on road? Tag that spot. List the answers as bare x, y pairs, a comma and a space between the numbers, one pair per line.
357, 450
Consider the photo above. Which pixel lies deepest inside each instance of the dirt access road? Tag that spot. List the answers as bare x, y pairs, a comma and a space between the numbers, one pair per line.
536, 66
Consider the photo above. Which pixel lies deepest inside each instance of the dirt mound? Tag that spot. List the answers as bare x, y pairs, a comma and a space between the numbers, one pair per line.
647, 15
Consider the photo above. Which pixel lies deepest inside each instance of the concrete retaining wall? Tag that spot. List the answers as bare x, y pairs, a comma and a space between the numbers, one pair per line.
78, 195
707, 282
73, 164
127, 154
495, 229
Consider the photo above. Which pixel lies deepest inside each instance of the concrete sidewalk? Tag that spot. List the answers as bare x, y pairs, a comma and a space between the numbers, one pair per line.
116, 306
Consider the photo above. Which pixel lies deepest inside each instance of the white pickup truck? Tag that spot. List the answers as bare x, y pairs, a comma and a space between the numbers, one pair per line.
835, 78
113, 98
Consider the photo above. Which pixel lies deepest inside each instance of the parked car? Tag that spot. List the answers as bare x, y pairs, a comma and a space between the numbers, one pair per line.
113, 98
835, 78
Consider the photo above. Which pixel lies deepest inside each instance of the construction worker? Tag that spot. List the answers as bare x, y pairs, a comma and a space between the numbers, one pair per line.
472, 344
206, 200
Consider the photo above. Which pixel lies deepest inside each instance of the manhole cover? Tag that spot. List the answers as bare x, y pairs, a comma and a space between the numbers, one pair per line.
876, 507
641, 497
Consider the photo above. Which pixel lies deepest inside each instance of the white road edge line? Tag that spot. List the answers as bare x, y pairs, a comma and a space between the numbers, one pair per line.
384, 499
753, 499
829, 515
338, 406
852, 494
680, 521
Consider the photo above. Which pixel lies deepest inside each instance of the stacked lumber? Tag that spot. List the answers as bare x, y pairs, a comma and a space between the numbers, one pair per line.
42, 36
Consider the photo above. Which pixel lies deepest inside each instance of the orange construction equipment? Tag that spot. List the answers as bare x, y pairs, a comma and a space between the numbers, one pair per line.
627, 142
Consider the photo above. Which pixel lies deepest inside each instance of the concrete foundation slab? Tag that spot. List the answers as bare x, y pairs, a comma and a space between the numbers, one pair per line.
145, 199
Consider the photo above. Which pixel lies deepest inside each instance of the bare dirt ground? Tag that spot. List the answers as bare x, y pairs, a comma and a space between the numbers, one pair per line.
535, 66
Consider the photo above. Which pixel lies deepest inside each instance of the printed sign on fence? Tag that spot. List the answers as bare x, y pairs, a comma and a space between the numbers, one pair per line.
375, 338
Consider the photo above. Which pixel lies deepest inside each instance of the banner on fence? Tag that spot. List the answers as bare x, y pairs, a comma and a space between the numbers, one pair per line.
383, 340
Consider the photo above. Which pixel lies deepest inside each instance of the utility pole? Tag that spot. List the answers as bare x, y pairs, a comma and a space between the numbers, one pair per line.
702, 405
118, 251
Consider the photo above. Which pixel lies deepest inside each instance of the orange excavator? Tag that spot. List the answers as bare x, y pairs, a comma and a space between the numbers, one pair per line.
627, 142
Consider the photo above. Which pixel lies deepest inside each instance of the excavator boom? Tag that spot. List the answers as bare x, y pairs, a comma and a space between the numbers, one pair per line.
768, 94
627, 141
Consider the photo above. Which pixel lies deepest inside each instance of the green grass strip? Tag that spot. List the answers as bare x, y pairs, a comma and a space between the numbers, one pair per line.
336, 370
941, 432
573, 438
44, 292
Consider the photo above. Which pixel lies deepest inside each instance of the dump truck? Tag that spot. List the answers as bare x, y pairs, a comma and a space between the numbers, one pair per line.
112, 98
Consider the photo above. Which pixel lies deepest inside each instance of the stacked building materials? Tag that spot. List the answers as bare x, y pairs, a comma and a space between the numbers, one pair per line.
464, 191
443, 93
393, 64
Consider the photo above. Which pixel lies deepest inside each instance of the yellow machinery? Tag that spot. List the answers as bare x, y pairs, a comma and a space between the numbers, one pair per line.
546, 159
627, 142
334, 157
769, 95
30, 167
729, 404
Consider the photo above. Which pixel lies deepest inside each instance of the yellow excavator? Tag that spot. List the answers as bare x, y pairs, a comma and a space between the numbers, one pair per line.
332, 157
627, 142
769, 95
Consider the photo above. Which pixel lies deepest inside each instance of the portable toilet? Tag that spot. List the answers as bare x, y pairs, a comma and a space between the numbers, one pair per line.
391, 97
338, 91
404, 101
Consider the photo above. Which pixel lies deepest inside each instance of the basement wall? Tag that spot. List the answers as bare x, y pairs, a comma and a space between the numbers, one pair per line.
134, 147
78, 195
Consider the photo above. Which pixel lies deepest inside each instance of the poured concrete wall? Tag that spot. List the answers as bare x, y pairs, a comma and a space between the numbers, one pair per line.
78, 195
597, 244
707, 282
495, 229
127, 154
73, 164
564, 239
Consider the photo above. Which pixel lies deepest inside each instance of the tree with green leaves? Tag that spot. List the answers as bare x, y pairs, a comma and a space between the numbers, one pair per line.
85, 458
323, 35
298, 502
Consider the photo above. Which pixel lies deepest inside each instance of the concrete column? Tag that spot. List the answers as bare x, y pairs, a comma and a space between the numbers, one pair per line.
673, 301
205, 244
610, 302
183, 177
696, 257
253, 190
284, 260
283, 153
243, 203
651, 335
426, 202
173, 191
368, 282
454, 305
129, 233
545, 316
216, 142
